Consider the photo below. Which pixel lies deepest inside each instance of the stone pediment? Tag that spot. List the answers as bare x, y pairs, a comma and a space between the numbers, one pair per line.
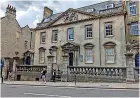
71, 15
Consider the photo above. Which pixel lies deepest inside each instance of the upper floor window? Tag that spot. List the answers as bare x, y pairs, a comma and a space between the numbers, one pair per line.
70, 33
88, 31
43, 37
132, 6
54, 35
109, 6
90, 10
135, 28
108, 29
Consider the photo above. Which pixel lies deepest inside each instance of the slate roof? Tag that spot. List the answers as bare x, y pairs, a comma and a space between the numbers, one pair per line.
97, 7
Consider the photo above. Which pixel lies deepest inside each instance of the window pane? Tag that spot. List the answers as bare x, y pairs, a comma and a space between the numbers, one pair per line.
54, 35
43, 36
132, 8
110, 56
134, 29
70, 34
41, 56
89, 56
108, 29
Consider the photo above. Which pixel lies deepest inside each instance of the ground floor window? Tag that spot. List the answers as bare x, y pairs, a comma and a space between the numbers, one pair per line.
110, 55
41, 55
89, 55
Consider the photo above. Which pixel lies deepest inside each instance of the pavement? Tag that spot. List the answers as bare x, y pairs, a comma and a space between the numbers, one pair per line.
77, 85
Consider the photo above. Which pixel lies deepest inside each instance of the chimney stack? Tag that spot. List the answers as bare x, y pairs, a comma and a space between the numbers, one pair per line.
47, 12
11, 11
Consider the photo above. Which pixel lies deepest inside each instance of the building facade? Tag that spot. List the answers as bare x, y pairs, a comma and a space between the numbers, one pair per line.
16, 41
132, 28
91, 36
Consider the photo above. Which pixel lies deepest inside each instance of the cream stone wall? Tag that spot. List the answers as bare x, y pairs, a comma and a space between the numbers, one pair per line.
118, 39
79, 38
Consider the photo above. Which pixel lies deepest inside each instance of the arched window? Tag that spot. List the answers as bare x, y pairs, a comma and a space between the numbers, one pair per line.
88, 52
54, 53
42, 55
110, 52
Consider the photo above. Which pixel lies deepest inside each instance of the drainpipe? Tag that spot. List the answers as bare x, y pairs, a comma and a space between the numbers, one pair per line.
99, 40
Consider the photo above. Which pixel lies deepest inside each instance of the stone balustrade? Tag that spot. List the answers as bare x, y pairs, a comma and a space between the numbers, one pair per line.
96, 73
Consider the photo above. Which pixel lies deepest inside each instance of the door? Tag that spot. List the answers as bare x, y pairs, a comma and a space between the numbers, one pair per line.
137, 59
70, 59
28, 60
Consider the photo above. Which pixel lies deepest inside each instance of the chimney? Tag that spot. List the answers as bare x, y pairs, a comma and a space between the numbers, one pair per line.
11, 11
47, 12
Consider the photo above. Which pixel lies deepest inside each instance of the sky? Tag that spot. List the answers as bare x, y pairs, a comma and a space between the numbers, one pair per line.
31, 12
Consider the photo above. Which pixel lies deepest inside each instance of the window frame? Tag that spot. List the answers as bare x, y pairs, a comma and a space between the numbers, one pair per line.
89, 55
41, 41
131, 6
54, 31
105, 25
112, 55
112, 6
132, 25
86, 32
68, 34
41, 51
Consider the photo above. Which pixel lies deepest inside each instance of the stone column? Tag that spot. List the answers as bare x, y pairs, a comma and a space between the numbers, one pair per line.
129, 64
15, 64
6, 67
50, 67
64, 68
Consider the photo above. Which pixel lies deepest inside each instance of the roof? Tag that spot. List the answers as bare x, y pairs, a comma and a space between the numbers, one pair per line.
97, 7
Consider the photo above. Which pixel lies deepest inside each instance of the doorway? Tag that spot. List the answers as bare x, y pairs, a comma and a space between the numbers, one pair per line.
28, 60
70, 59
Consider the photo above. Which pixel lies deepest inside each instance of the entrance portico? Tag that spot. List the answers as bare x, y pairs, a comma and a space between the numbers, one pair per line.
72, 49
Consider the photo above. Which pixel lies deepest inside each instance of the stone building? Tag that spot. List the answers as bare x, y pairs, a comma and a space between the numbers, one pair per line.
132, 28
16, 41
90, 36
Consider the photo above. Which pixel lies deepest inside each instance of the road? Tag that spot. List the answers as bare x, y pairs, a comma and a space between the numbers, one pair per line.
63, 92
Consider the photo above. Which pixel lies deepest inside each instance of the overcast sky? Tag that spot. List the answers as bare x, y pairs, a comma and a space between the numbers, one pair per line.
30, 12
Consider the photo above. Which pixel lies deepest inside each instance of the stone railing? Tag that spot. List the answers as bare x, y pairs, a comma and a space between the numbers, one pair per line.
109, 74
30, 68
111, 10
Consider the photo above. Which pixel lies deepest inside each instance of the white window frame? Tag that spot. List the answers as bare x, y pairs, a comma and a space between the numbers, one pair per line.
110, 55
133, 4
69, 34
41, 56
55, 56
88, 55
43, 37
109, 6
90, 10
54, 34
134, 25
87, 32
110, 33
